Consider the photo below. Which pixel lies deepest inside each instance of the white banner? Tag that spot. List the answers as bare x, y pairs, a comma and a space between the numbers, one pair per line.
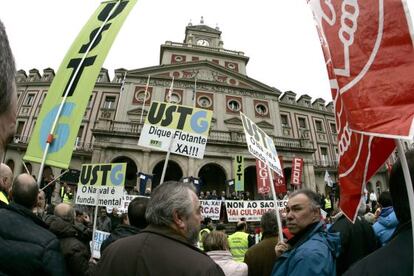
251, 210
210, 208
101, 184
100, 236
181, 129
260, 144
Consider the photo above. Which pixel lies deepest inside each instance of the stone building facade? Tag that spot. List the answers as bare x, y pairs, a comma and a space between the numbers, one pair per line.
206, 75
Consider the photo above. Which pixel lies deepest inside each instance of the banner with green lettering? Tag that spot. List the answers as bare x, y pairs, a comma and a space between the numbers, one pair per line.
101, 184
238, 170
77, 74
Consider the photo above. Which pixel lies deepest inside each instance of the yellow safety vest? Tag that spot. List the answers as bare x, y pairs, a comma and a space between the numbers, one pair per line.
239, 243
3, 198
200, 237
328, 204
65, 196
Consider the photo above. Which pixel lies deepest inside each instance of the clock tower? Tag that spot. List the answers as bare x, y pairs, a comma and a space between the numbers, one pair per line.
202, 42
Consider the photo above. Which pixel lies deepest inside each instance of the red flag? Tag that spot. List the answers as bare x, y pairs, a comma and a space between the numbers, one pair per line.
262, 176
297, 168
280, 183
370, 59
372, 55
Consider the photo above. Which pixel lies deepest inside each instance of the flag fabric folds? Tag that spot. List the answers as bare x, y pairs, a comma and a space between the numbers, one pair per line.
369, 55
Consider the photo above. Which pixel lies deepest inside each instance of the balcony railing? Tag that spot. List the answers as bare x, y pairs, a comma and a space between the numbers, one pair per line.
215, 136
326, 163
79, 146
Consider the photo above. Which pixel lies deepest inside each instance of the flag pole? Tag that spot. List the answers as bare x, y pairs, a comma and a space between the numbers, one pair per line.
50, 136
195, 91
408, 183
120, 94
164, 169
272, 187
54, 180
145, 97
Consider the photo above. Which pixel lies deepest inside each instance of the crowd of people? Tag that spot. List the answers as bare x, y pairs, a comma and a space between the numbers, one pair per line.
159, 235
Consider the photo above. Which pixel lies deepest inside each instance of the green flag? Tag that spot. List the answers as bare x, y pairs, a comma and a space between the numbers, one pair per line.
77, 74
238, 169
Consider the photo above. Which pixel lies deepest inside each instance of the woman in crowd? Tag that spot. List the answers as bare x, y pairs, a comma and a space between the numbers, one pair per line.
216, 246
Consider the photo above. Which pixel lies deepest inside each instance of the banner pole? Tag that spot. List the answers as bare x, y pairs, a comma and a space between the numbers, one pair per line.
95, 217
408, 183
145, 97
279, 222
54, 180
62, 103
25, 167
167, 157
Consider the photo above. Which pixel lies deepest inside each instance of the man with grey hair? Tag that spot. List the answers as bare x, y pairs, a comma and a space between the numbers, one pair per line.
8, 95
167, 245
357, 239
27, 247
6, 179
261, 257
312, 251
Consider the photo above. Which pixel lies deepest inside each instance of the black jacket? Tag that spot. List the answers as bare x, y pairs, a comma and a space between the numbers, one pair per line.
156, 251
357, 241
75, 252
26, 246
121, 231
395, 258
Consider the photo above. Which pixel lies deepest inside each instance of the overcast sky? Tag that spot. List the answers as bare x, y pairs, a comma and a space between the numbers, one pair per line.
279, 36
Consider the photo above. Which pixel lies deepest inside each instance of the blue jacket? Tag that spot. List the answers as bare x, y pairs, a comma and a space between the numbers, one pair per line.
385, 225
314, 254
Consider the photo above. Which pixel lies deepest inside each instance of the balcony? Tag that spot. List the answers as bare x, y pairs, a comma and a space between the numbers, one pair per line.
22, 142
325, 163
108, 127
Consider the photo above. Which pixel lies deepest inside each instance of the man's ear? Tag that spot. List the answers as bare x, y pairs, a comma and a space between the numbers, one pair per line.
178, 220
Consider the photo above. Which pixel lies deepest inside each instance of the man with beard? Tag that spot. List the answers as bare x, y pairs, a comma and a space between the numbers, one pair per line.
167, 245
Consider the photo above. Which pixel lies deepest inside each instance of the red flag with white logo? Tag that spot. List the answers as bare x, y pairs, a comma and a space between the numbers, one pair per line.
262, 177
370, 58
297, 167
280, 183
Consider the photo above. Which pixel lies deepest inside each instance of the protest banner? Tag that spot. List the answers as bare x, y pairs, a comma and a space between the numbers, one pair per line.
101, 184
238, 170
64, 107
297, 168
260, 144
252, 210
99, 238
180, 129
210, 208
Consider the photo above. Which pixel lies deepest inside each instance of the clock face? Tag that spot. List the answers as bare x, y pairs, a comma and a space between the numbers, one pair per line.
203, 42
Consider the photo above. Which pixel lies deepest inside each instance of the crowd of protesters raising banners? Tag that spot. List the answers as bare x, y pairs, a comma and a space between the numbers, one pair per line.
44, 233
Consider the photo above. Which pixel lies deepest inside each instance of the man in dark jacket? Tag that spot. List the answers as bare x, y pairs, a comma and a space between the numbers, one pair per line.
27, 247
75, 252
132, 223
357, 239
312, 251
167, 245
261, 257
396, 257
